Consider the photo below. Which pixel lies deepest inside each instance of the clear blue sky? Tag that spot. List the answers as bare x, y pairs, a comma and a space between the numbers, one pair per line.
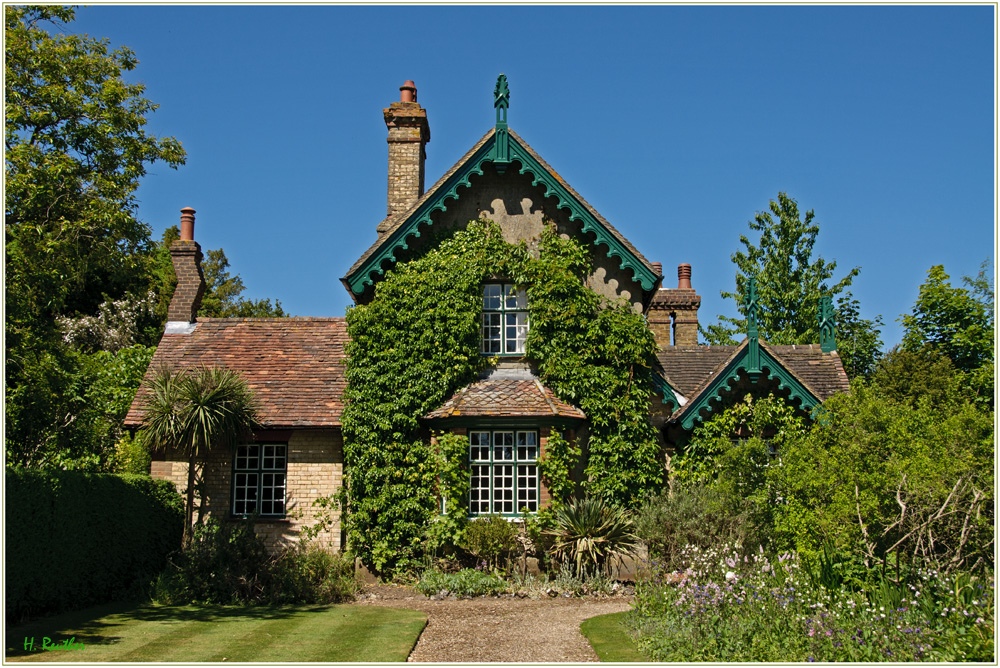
677, 123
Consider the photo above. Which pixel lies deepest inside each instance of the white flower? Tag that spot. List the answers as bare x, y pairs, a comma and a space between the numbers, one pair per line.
730, 575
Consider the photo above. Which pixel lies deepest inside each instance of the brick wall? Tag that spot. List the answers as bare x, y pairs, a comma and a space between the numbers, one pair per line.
315, 469
408, 133
186, 257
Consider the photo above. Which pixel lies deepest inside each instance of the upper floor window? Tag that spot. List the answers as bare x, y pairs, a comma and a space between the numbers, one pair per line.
505, 319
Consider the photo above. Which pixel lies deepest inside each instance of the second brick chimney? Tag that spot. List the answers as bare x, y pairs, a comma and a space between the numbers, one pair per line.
186, 256
673, 314
408, 134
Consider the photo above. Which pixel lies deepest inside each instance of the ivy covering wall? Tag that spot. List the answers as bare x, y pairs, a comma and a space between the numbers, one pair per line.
417, 342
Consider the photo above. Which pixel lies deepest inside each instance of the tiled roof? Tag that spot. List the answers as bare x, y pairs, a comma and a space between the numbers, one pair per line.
506, 398
294, 365
691, 369
399, 219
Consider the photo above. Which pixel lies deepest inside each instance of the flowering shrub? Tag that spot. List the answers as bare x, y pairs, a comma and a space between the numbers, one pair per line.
731, 606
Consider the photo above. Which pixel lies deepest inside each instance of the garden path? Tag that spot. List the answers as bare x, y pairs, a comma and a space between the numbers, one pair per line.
508, 630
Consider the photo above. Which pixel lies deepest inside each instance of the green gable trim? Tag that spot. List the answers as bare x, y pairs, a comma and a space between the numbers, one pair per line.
669, 393
369, 272
807, 401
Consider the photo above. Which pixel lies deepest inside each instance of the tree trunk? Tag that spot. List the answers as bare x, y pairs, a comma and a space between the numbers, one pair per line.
189, 506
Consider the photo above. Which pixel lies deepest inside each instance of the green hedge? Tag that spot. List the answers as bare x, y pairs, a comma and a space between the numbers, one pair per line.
75, 539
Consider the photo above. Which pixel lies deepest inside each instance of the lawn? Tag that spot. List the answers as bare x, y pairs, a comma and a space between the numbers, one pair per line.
190, 634
610, 639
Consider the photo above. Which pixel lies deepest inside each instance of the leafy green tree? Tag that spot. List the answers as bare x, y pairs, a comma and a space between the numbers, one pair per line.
790, 283
909, 375
195, 412
76, 149
958, 323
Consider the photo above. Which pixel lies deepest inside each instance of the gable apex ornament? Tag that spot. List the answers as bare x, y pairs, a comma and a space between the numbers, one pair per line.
501, 148
827, 325
753, 334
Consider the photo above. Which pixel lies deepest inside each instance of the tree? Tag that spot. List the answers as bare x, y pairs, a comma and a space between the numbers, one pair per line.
957, 323
195, 412
75, 152
789, 285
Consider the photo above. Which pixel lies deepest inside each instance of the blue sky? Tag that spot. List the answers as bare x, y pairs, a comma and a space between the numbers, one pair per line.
677, 123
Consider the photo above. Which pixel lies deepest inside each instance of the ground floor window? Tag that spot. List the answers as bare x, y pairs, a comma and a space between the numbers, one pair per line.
503, 469
259, 479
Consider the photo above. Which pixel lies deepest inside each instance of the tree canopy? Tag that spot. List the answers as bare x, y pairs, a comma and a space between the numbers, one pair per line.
87, 287
958, 324
790, 282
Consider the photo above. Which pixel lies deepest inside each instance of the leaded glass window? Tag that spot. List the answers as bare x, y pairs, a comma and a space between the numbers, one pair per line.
259, 479
503, 472
505, 319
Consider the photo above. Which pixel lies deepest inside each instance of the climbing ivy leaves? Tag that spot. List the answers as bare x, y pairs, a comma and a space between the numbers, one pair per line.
417, 342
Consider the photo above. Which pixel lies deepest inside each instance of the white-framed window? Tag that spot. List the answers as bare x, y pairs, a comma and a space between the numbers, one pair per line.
503, 471
259, 479
505, 319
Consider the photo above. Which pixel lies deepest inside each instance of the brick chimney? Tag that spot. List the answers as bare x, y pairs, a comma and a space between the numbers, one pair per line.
673, 314
408, 134
186, 256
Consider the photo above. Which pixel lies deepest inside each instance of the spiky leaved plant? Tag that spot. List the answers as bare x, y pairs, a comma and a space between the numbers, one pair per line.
194, 412
592, 535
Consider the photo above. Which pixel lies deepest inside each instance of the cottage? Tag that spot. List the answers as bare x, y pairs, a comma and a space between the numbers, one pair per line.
296, 366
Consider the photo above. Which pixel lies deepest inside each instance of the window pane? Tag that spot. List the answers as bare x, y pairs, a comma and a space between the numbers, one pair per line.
514, 298
527, 487
503, 489
479, 446
491, 333
491, 297
479, 490
503, 446
527, 446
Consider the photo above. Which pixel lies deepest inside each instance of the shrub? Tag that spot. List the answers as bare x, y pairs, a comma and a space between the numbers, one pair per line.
690, 515
492, 540
228, 564
466, 582
76, 539
592, 535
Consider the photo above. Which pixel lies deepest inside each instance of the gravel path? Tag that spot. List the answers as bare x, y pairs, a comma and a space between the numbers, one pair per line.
507, 630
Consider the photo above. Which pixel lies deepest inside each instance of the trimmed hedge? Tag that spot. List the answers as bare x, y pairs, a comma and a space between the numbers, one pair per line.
75, 539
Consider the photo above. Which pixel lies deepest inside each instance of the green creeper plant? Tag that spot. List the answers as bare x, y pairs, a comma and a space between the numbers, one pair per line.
417, 342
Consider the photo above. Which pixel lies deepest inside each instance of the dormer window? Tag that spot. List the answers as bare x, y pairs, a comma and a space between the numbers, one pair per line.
505, 319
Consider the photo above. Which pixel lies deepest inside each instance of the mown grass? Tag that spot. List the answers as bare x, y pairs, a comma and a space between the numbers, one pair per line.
610, 639
190, 634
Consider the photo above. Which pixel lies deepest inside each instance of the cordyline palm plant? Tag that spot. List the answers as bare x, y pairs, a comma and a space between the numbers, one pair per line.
592, 535
194, 412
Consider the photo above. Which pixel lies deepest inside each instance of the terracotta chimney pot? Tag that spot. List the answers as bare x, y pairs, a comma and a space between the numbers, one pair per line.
658, 268
187, 224
684, 276
408, 92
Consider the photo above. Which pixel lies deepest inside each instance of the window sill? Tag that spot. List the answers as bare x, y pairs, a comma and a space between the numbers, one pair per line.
260, 520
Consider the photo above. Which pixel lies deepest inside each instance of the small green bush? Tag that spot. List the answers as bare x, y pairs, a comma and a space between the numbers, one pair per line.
492, 540
466, 582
